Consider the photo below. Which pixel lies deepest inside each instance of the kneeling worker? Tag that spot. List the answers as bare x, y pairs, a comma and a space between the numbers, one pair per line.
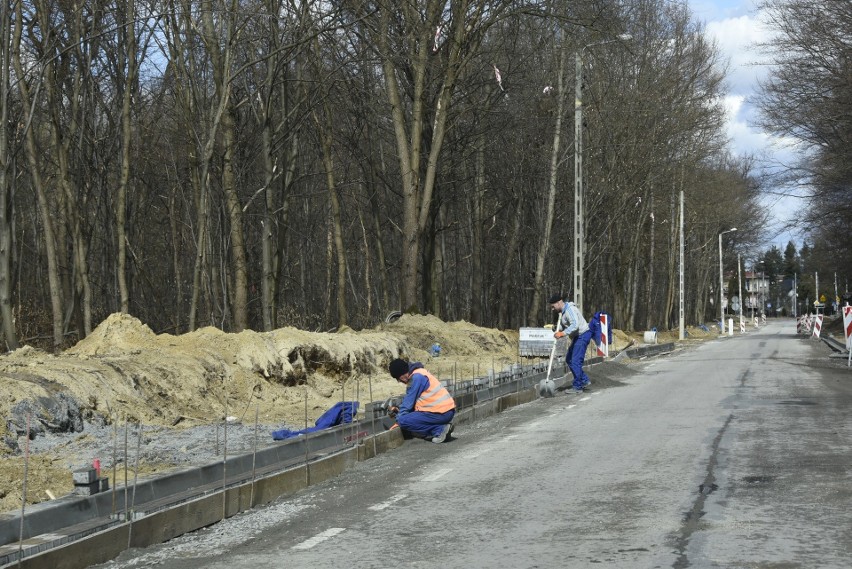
428, 408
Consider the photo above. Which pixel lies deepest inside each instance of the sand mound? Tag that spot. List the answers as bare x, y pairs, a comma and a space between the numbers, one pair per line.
123, 372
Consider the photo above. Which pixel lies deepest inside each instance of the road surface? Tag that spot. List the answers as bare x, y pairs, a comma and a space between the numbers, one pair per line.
733, 453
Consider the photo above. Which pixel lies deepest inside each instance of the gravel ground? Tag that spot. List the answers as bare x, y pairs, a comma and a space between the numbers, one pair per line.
157, 447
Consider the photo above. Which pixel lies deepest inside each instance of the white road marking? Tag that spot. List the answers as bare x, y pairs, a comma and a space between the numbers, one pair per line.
319, 538
436, 475
479, 451
477, 454
393, 500
586, 398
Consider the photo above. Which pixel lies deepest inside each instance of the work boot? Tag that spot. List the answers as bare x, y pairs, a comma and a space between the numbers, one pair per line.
445, 431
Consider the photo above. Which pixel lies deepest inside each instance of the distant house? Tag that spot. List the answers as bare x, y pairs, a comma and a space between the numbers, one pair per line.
755, 292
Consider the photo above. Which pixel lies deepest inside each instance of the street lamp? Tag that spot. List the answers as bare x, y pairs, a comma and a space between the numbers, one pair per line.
579, 223
721, 313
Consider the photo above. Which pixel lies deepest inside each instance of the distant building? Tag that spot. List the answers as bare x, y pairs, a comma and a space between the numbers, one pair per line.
755, 292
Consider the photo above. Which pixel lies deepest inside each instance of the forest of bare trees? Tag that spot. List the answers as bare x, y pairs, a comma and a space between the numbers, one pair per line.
808, 99
261, 163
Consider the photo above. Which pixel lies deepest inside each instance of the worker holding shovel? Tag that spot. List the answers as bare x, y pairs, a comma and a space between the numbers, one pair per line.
573, 325
428, 408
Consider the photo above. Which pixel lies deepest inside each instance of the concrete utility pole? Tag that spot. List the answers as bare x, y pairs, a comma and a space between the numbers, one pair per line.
578, 181
836, 294
795, 296
681, 332
740, 282
721, 282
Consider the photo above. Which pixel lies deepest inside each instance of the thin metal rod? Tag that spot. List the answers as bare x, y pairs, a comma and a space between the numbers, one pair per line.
135, 480
372, 415
225, 463
24, 489
305, 442
254, 453
114, 461
126, 497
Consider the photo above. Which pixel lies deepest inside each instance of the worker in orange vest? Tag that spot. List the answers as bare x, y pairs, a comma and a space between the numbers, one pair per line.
427, 410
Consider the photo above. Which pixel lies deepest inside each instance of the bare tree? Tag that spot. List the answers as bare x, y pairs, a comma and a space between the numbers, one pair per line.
46, 215
807, 97
423, 51
6, 160
128, 58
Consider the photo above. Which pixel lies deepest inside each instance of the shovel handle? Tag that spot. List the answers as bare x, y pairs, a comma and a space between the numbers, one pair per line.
550, 364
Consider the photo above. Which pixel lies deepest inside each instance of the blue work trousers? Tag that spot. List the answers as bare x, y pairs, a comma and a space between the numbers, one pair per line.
574, 359
424, 424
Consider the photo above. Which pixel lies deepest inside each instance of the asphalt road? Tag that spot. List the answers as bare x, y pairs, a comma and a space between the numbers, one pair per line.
731, 454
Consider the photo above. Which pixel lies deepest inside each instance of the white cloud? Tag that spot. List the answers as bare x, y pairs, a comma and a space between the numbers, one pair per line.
738, 39
737, 28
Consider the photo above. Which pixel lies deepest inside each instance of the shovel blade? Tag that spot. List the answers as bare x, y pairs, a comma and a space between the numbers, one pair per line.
547, 388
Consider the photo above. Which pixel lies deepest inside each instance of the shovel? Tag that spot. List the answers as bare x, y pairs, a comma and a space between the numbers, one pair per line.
547, 387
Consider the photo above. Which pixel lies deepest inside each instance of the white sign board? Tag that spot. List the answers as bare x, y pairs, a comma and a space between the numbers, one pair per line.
536, 341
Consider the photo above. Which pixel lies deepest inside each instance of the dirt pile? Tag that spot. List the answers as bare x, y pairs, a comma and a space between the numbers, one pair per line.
182, 388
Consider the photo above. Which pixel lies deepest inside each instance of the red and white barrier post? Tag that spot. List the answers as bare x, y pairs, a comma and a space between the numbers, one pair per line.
603, 347
817, 325
847, 331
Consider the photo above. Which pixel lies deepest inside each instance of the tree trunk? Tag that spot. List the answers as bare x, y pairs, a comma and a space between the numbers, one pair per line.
127, 53
337, 226
35, 173
476, 248
511, 251
6, 200
536, 304
239, 262
418, 180
61, 135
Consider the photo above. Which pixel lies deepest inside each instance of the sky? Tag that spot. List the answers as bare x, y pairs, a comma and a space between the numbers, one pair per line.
736, 27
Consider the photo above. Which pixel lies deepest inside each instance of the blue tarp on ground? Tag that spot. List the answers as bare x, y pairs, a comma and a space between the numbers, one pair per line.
339, 414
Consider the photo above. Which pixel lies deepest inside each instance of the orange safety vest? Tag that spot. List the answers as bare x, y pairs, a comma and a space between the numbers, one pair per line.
435, 398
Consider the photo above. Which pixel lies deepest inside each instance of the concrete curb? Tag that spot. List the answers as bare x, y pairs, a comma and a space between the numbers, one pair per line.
78, 531
75, 531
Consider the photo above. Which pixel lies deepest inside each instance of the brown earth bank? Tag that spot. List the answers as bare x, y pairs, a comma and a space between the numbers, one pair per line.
142, 403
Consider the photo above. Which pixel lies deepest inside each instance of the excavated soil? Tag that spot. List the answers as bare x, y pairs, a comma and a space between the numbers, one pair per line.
141, 403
